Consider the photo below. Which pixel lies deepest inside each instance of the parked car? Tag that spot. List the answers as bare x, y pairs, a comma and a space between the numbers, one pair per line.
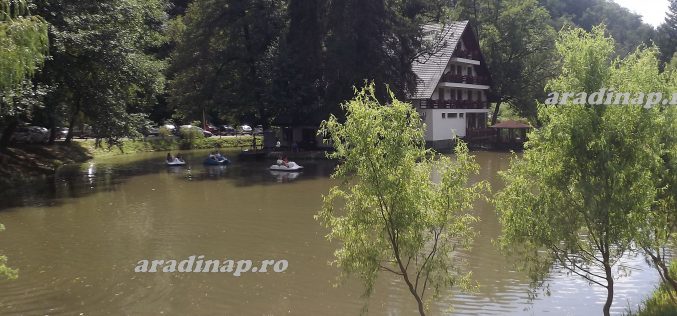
200, 130
212, 129
151, 131
61, 132
245, 129
227, 130
31, 135
83, 131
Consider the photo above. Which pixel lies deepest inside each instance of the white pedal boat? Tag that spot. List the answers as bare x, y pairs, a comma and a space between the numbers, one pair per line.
176, 162
291, 166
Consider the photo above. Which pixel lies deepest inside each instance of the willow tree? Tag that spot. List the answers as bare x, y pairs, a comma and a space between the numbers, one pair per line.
23, 46
586, 188
24, 43
389, 215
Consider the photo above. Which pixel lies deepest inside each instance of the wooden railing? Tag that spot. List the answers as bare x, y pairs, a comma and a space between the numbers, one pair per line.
456, 78
474, 55
454, 104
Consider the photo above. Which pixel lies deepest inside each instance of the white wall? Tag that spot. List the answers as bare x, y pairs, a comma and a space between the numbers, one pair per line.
439, 128
447, 128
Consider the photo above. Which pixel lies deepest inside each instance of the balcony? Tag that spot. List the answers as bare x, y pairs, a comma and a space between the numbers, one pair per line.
456, 78
453, 104
467, 54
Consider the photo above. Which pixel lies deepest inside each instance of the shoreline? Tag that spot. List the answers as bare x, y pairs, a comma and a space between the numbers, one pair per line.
29, 162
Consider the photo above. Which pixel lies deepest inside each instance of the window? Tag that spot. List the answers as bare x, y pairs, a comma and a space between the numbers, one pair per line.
444, 115
460, 115
469, 71
452, 115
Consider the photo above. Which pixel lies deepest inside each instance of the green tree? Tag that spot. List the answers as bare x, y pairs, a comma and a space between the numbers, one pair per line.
663, 217
298, 84
667, 33
583, 192
24, 43
375, 40
624, 26
517, 42
389, 215
224, 59
102, 69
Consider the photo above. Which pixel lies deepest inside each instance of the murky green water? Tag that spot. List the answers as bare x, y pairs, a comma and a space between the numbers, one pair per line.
77, 239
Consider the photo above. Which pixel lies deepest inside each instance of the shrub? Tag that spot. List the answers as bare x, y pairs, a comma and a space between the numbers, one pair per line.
190, 138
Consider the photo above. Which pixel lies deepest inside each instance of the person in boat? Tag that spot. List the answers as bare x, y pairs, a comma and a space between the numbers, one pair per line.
178, 157
219, 156
285, 161
169, 157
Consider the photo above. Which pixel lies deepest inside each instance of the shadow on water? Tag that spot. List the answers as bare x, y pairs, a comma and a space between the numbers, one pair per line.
108, 174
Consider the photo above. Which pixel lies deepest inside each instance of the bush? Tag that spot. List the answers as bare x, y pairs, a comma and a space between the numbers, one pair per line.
164, 133
191, 138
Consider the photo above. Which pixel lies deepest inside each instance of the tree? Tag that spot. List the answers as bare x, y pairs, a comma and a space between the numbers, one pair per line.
667, 33
298, 86
624, 26
582, 193
518, 44
375, 40
224, 59
663, 218
24, 43
102, 69
393, 217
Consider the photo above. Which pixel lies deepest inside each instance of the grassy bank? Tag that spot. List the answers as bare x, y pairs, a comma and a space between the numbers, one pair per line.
169, 144
25, 162
659, 304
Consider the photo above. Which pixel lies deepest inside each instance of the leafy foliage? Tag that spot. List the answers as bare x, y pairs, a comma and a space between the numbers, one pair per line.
6, 272
667, 33
390, 215
517, 42
624, 26
590, 178
101, 67
24, 43
224, 57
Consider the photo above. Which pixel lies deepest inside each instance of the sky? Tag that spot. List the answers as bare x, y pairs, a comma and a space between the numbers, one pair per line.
652, 11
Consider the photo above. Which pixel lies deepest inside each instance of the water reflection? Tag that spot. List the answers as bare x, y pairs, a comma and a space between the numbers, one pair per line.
77, 237
284, 176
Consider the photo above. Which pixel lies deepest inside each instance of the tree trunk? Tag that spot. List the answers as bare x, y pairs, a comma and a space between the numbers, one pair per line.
494, 117
609, 287
71, 123
405, 275
664, 272
52, 129
7, 134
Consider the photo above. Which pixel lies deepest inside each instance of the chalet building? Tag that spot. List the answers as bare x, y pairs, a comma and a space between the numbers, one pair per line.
451, 94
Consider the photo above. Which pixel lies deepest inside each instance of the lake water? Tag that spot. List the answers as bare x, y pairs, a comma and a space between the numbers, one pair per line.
77, 238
